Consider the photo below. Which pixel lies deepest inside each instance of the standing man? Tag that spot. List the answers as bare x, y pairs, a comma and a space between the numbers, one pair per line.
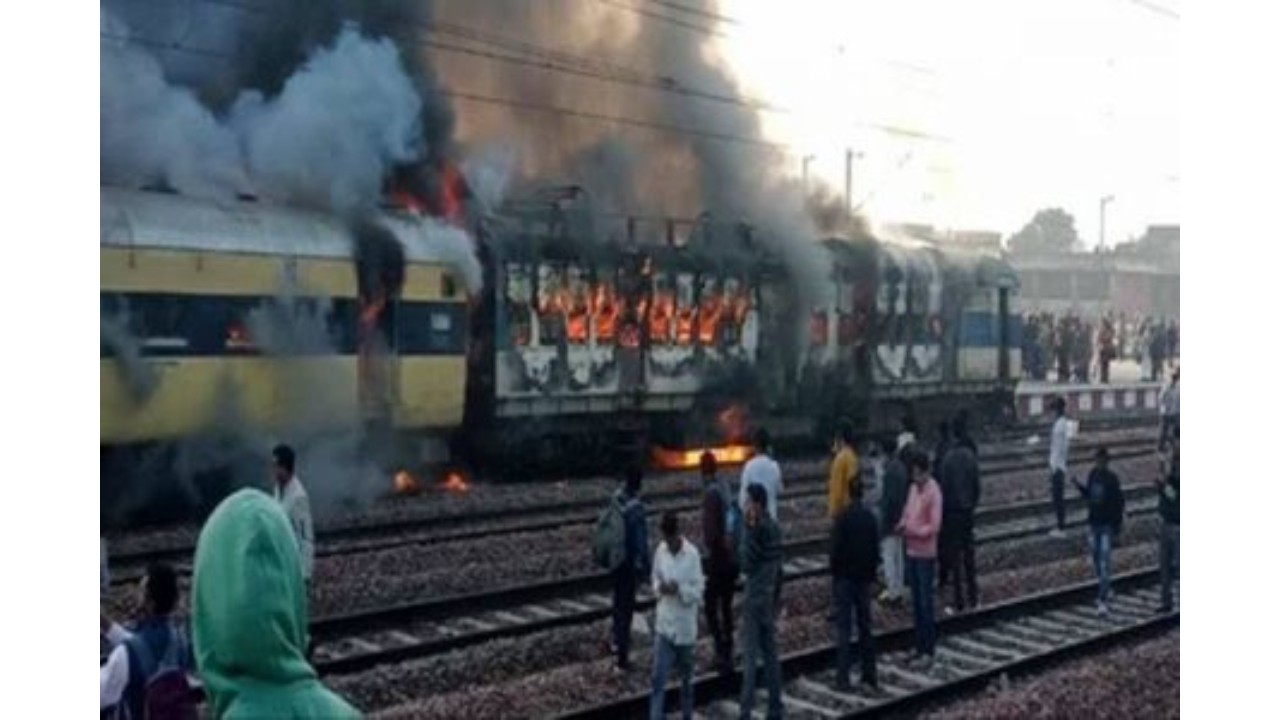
148, 667
1169, 412
893, 497
678, 584
762, 470
940, 451
293, 499
1168, 489
855, 557
1106, 514
721, 533
920, 523
1106, 349
1059, 446
1157, 351
762, 566
961, 492
843, 474
626, 505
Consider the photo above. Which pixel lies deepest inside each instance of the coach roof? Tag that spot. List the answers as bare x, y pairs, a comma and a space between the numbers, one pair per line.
143, 219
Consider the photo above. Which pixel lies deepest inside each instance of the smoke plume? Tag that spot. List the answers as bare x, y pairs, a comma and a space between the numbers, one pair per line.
327, 140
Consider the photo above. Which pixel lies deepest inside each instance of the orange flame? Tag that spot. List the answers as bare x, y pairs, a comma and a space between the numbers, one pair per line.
452, 192
454, 482
667, 459
733, 423
406, 484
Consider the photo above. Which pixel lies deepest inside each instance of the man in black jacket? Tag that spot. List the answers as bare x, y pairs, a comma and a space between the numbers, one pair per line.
1106, 515
761, 563
893, 497
961, 491
1168, 488
855, 557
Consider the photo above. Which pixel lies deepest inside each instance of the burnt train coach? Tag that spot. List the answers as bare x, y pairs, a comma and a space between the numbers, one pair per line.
911, 330
254, 321
599, 336
593, 339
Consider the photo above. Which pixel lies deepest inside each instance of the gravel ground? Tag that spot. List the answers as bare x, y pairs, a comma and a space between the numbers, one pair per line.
1138, 680
414, 572
572, 666
483, 495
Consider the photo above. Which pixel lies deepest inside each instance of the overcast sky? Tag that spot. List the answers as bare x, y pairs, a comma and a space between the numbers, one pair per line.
1035, 103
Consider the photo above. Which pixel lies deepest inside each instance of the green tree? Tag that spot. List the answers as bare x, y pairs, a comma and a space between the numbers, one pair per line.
1052, 230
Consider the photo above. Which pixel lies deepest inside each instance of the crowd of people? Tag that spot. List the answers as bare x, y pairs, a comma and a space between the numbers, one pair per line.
1071, 348
246, 639
898, 521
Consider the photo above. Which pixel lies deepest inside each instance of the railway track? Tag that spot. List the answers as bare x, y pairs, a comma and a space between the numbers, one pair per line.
127, 566
357, 641
1007, 639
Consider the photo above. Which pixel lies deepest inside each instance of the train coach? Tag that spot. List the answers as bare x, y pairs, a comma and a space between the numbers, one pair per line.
255, 321
592, 340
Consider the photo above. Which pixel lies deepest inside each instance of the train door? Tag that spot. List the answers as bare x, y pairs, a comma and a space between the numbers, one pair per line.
1004, 336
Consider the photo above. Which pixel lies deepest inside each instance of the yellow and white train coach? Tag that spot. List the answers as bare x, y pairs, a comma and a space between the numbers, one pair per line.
249, 313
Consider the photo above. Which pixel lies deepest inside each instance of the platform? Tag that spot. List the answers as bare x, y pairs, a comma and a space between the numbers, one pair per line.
1089, 399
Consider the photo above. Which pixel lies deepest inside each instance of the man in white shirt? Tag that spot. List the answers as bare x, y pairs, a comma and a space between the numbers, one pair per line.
297, 506
761, 470
678, 582
1059, 447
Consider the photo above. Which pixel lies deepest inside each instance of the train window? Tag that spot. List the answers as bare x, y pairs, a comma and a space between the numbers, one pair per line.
429, 328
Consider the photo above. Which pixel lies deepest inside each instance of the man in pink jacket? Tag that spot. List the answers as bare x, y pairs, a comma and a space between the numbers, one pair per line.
919, 526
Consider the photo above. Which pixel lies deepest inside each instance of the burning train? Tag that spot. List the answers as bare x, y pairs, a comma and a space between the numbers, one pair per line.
588, 339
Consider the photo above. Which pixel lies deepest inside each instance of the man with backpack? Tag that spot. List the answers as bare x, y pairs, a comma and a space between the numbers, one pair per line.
145, 675
721, 535
621, 546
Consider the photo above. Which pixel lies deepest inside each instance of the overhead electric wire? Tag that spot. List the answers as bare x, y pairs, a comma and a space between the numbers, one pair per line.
550, 59
1158, 9
677, 22
697, 11
509, 102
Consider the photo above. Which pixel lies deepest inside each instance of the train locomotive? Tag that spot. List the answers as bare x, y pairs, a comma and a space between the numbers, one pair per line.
592, 338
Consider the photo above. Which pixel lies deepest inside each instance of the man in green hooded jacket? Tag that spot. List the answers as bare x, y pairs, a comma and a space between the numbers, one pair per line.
249, 616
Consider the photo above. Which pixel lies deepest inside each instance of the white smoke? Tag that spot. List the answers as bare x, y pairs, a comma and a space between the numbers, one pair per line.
340, 123
431, 239
327, 140
488, 172
154, 132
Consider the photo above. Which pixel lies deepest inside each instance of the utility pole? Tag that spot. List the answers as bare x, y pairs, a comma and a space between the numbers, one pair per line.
849, 156
1102, 220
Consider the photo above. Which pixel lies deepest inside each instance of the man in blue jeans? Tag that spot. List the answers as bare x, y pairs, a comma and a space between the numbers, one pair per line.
855, 557
761, 563
1106, 514
679, 583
